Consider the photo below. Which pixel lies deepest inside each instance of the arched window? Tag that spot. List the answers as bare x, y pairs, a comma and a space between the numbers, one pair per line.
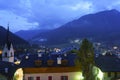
6, 54
11, 55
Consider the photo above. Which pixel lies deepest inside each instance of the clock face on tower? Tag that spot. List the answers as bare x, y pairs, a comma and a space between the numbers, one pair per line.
18, 74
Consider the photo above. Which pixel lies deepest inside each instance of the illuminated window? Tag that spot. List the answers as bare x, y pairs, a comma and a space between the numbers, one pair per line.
37, 78
64, 62
49, 77
64, 77
50, 62
38, 63
59, 60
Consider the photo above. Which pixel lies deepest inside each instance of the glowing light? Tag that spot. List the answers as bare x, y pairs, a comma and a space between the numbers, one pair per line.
100, 74
17, 62
79, 76
115, 47
18, 74
0, 52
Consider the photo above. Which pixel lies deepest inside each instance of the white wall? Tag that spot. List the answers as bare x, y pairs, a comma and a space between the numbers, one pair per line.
55, 76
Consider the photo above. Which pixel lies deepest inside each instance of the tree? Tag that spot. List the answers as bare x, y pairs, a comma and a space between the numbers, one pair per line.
86, 58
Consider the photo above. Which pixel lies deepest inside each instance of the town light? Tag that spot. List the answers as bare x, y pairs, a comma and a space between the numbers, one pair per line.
0, 51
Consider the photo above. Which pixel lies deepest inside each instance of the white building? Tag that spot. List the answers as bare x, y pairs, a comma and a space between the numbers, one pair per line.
8, 51
53, 73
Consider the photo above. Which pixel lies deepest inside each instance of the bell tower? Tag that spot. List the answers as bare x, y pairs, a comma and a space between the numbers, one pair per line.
8, 51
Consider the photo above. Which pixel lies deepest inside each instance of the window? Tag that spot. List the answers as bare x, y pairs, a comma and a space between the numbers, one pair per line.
64, 77
59, 60
37, 78
49, 77
11, 55
30, 78
64, 62
6, 54
109, 74
38, 63
115, 74
50, 62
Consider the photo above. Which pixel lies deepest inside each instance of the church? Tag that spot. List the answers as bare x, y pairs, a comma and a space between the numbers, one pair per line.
8, 69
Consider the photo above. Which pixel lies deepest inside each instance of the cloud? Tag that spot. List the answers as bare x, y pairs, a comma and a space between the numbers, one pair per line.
16, 22
49, 13
105, 4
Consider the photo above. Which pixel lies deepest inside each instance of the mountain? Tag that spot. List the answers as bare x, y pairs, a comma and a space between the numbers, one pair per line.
13, 38
101, 26
28, 34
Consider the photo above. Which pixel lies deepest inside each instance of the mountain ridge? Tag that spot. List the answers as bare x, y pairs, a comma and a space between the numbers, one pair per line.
14, 39
100, 26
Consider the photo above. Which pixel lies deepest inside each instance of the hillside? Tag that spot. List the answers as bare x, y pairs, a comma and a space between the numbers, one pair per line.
14, 39
101, 26
28, 34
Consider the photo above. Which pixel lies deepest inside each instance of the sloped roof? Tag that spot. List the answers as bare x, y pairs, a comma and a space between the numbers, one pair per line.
7, 69
31, 58
108, 63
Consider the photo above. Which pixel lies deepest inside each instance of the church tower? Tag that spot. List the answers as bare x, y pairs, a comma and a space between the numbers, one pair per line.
8, 51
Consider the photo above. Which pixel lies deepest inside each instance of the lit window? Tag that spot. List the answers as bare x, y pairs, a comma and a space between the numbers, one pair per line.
50, 62
64, 62
59, 60
38, 63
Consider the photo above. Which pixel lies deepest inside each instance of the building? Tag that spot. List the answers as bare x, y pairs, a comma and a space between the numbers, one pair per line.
110, 66
8, 51
9, 70
50, 67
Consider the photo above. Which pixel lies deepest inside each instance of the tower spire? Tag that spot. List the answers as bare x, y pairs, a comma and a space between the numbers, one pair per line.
8, 37
8, 51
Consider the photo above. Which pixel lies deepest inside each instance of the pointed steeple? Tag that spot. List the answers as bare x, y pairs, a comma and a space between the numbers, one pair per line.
8, 51
8, 42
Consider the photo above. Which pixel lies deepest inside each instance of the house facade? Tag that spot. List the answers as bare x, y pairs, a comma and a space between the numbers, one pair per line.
53, 73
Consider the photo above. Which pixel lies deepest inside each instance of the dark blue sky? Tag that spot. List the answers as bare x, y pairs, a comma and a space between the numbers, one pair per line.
47, 14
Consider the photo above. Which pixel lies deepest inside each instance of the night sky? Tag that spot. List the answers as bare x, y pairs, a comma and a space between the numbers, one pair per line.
48, 14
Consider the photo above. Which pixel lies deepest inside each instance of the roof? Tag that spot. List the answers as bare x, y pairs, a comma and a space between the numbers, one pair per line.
7, 69
52, 69
108, 63
31, 60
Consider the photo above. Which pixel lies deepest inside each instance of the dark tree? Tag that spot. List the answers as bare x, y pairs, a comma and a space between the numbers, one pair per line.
86, 58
